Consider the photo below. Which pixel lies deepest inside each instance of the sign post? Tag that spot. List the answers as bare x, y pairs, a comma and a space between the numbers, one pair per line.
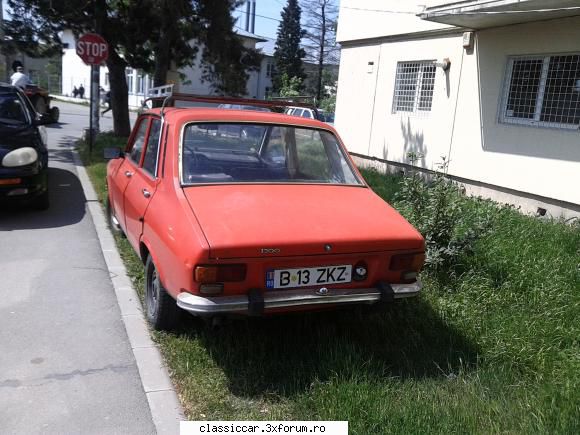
93, 50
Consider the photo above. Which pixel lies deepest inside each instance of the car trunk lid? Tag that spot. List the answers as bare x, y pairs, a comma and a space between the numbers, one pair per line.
260, 220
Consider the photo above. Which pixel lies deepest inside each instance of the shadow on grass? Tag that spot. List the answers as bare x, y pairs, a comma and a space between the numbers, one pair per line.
284, 355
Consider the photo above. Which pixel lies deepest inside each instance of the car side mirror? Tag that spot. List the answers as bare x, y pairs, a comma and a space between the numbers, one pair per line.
43, 119
112, 153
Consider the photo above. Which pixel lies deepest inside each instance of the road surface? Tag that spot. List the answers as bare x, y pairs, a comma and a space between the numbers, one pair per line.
66, 365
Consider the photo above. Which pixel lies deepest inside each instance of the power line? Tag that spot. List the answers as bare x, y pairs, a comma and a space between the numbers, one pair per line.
258, 15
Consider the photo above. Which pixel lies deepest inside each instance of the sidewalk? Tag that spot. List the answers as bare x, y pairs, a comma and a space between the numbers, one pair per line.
67, 364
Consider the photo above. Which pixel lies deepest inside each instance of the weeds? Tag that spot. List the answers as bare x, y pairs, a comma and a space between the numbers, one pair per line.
449, 223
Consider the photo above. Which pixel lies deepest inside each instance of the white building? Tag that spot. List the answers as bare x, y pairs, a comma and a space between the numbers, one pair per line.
491, 85
188, 79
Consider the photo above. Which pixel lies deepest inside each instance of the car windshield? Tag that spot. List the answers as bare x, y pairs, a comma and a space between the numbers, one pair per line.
11, 109
258, 153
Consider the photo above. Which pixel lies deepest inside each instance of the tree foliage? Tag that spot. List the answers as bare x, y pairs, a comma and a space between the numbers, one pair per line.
288, 53
290, 86
152, 35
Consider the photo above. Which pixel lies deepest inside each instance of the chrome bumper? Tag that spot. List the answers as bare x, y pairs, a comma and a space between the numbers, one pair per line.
272, 299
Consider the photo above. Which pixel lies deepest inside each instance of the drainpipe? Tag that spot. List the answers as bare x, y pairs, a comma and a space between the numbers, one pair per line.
253, 16
248, 13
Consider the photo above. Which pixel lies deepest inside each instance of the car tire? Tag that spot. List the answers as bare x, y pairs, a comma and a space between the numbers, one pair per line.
40, 105
42, 202
161, 309
54, 114
112, 220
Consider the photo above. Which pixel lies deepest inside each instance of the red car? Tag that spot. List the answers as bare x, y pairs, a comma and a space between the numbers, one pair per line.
252, 212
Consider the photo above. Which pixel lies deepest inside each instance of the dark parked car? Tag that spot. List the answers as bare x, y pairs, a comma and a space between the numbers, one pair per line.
23, 151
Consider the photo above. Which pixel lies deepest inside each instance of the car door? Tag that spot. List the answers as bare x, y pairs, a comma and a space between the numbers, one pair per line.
143, 185
122, 177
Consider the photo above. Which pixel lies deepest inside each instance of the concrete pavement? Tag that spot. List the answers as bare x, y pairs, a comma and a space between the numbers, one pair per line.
66, 364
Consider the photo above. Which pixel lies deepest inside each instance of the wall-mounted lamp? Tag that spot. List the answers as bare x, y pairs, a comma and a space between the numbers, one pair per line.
444, 64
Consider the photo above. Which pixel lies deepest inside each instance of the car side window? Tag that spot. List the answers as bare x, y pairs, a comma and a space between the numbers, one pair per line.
137, 148
306, 114
150, 160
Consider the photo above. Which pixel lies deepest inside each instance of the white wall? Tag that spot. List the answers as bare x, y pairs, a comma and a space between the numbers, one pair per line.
364, 19
539, 161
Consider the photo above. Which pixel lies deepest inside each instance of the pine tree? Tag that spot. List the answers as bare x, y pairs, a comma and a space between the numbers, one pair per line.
287, 53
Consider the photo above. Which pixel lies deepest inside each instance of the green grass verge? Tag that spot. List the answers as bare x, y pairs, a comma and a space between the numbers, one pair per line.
491, 348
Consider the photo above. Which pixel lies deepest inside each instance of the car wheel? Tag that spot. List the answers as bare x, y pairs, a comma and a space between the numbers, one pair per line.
54, 114
112, 220
42, 202
40, 105
160, 308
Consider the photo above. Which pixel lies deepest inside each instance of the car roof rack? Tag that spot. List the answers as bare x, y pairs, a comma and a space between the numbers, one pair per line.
168, 98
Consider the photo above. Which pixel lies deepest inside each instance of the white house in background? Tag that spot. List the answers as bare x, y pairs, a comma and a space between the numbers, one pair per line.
76, 73
491, 85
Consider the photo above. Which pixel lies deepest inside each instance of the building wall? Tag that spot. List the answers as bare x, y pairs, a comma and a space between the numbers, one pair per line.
366, 19
463, 125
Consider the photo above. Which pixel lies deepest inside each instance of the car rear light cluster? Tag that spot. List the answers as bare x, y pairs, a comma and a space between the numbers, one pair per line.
211, 277
408, 264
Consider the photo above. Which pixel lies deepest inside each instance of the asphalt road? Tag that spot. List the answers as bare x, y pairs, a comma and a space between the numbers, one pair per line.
66, 365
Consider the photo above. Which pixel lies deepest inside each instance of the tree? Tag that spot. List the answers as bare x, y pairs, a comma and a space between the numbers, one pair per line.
288, 53
320, 35
152, 35
290, 86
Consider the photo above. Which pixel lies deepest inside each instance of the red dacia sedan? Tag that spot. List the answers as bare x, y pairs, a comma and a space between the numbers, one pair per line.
254, 212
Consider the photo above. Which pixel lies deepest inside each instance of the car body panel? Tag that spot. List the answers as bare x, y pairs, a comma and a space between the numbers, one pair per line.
297, 220
299, 225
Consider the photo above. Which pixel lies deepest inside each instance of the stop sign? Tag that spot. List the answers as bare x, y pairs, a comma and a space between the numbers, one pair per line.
92, 49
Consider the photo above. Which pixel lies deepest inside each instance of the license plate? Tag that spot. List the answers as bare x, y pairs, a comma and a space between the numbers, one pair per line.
308, 276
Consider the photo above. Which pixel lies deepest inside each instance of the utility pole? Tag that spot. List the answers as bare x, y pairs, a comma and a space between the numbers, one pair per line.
3, 65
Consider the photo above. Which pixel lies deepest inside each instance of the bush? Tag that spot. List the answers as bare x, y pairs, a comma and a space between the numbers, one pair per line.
440, 211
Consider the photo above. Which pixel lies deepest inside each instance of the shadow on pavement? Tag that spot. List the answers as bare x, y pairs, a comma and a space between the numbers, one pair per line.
67, 205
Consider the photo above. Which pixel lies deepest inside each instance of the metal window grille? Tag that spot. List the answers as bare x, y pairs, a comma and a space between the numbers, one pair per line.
542, 91
414, 86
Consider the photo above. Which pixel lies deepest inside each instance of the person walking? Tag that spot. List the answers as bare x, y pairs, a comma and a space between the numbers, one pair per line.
19, 79
81, 91
107, 102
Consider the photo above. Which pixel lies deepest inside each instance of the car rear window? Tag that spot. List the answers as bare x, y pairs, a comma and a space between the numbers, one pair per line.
258, 153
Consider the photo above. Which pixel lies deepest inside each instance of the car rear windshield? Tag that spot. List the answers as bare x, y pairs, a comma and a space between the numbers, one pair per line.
259, 153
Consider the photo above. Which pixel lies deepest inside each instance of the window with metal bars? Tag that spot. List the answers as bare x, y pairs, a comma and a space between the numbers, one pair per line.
414, 85
542, 91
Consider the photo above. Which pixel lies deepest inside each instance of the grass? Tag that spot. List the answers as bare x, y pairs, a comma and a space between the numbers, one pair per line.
490, 347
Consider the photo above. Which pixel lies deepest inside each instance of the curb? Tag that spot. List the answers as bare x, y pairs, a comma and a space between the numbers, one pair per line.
164, 405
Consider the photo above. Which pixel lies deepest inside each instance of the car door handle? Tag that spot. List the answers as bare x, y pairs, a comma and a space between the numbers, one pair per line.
128, 174
146, 193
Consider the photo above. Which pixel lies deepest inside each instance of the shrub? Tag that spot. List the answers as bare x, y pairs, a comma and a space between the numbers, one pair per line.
440, 211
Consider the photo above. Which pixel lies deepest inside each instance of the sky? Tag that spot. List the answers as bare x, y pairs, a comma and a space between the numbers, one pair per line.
267, 17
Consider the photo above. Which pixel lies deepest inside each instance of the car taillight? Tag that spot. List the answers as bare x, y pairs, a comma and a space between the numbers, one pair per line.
408, 262
209, 274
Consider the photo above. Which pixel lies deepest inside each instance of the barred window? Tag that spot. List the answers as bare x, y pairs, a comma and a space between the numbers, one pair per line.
414, 85
542, 91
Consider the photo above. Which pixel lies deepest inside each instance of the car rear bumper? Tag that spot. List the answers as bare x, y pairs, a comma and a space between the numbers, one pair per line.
257, 302
22, 187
